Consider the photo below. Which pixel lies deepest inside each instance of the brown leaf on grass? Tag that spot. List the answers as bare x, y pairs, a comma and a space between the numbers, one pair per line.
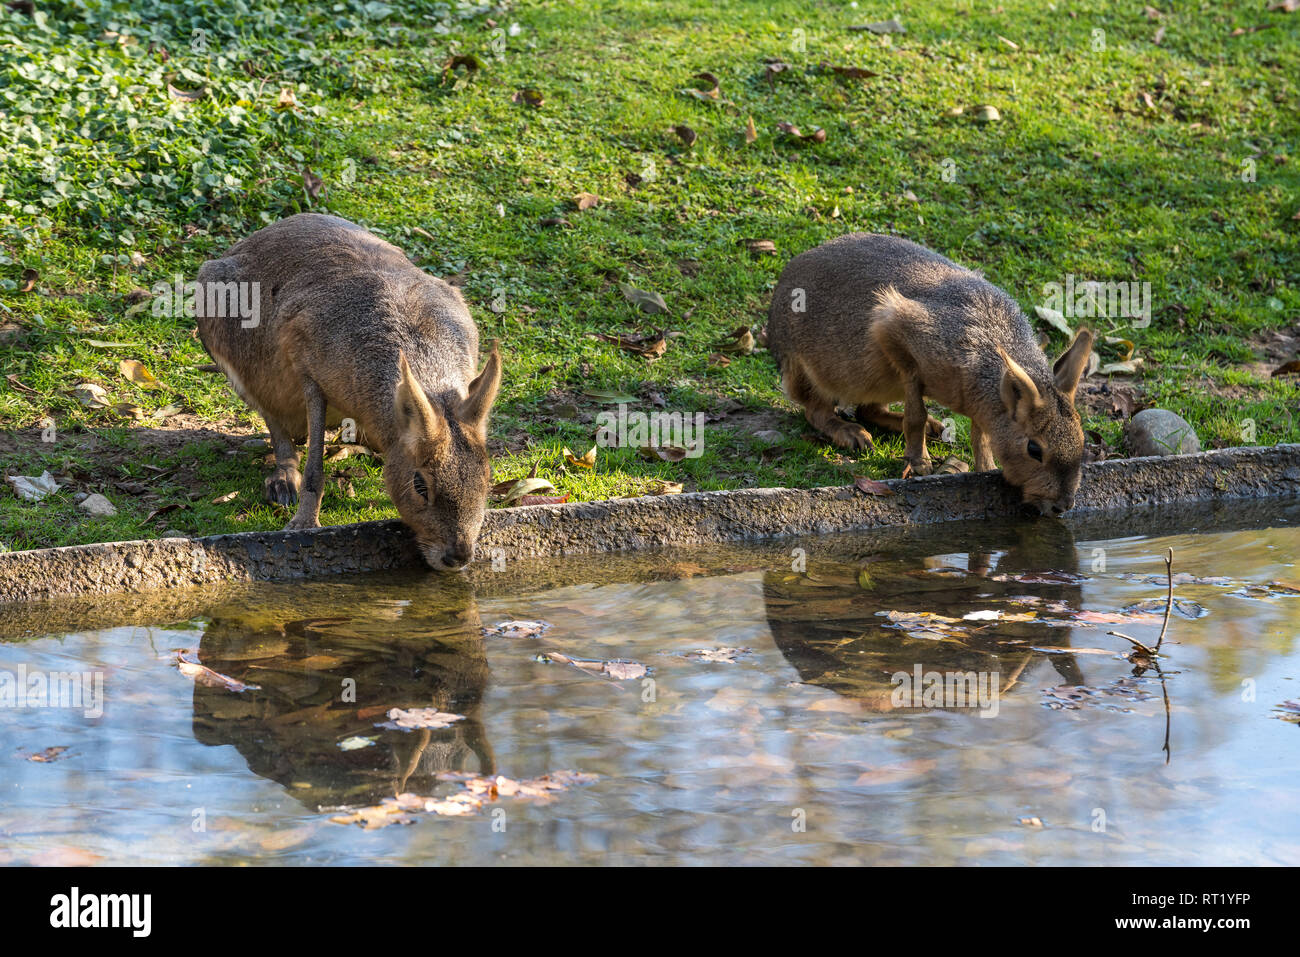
90, 395
554, 221
648, 302
1288, 368
588, 461
649, 347
312, 183
713, 87
685, 134
528, 96
513, 490
137, 372
12, 379
772, 68
204, 675
818, 135
1286, 6
668, 453
586, 201
338, 453
1159, 37
469, 61
718, 361
741, 341
186, 96
286, 100
662, 487
871, 486
1149, 103
28, 280
892, 25
760, 247
856, 72
751, 134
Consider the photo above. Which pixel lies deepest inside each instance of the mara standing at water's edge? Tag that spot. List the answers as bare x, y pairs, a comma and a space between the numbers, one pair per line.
344, 326
865, 320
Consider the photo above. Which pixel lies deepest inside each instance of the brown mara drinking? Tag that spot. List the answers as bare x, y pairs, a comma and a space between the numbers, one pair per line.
865, 320
343, 325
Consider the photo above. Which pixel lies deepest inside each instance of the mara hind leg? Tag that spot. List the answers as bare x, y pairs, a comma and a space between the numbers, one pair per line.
877, 413
285, 481
819, 410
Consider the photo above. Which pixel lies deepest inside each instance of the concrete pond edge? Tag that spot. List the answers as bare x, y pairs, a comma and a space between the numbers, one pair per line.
634, 524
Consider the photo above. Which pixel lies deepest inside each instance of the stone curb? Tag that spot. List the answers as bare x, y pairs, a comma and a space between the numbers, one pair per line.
1226, 475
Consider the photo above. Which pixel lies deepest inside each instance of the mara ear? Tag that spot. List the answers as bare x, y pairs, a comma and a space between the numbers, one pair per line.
1069, 369
1019, 394
414, 414
482, 393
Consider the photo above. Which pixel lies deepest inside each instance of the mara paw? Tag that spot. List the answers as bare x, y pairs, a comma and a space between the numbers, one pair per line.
300, 522
918, 466
282, 486
850, 435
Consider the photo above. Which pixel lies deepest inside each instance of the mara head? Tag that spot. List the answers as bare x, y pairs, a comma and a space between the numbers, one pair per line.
438, 471
1039, 441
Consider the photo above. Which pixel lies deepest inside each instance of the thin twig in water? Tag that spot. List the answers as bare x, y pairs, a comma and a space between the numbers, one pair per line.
1169, 601
1140, 647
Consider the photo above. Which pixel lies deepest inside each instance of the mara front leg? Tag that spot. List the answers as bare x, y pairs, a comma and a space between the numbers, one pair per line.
981, 448
915, 419
313, 481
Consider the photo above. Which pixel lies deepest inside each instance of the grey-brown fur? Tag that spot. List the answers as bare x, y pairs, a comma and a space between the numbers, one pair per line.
348, 327
886, 320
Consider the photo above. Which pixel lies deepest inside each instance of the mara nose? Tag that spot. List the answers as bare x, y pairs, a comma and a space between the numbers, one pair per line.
458, 556
1058, 508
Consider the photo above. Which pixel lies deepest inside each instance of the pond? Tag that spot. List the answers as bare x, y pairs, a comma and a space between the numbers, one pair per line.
941, 696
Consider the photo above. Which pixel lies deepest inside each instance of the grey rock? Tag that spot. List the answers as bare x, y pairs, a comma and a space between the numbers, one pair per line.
97, 506
1160, 432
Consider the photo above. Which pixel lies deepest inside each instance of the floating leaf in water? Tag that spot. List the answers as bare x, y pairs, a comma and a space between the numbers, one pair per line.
718, 655
1031, 821
1287, 711
985, 615
1182, 606
896, 773
49, 754
518, 629
206, 676
619, 669
356, 743
419, 718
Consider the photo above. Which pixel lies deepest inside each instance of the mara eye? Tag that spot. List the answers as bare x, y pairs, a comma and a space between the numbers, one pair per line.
420, 487
1035, 451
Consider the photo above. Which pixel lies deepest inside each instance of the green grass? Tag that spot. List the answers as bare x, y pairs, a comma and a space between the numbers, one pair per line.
124, 186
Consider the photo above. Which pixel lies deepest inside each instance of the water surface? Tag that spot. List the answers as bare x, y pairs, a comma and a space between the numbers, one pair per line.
789, 745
